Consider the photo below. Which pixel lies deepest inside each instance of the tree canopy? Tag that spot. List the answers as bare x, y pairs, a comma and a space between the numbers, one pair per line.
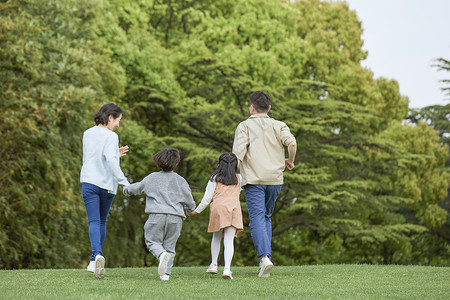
367, 186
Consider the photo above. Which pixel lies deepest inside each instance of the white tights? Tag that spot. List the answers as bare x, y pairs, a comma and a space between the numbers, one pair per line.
228, 245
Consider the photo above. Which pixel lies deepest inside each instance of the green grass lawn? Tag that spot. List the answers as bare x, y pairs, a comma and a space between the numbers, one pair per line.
302, 282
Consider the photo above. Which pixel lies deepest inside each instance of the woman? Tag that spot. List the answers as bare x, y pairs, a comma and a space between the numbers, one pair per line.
100, 175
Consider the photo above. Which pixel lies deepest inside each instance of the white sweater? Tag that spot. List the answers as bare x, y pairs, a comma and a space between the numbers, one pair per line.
101, 159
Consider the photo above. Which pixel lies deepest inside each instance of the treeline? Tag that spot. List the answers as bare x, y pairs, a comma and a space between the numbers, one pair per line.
368, 187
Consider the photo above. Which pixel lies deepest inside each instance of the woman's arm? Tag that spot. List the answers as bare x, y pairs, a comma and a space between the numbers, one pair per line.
111, 154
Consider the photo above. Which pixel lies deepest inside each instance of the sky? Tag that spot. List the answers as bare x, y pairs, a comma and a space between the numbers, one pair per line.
403, 38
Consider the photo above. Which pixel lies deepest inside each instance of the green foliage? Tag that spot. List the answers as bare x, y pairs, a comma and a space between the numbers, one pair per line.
366, 187
443, 64
436, 244
53, 75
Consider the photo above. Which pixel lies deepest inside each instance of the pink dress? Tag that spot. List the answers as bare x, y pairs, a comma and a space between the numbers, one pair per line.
225, 209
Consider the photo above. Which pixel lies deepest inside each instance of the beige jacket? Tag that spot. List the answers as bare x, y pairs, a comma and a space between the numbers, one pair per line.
259, 144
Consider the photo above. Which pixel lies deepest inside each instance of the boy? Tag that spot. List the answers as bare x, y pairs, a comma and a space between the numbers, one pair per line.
167, 196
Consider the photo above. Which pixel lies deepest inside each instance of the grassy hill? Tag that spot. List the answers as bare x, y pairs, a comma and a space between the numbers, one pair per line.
297, 282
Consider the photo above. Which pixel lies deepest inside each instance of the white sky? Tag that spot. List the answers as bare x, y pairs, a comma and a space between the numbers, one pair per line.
402, 38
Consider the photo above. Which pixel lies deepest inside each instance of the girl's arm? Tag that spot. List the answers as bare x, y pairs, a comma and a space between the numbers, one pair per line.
209, 192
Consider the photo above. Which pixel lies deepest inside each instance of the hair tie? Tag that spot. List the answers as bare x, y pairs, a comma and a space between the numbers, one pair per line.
229, 160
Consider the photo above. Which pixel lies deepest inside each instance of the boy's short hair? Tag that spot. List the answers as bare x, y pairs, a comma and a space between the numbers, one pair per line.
260, 101
167, 159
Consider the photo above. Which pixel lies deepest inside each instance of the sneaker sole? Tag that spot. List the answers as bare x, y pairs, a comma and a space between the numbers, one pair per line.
227, 276
162, 267
211, 272
100, 268
265, 272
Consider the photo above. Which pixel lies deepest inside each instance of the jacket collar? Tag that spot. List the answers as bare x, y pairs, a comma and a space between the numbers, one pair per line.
259, 116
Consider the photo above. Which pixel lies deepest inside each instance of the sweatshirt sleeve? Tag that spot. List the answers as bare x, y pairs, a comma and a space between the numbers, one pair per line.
112, 155
188, 203
209, 192
135, 188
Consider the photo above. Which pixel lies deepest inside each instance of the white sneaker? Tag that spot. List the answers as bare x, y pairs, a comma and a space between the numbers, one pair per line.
99, 267
212, 269
163, 263
91, 266
227, 274
164, 277
265, 267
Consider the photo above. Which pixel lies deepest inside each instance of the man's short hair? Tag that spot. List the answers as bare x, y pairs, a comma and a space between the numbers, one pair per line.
260, 101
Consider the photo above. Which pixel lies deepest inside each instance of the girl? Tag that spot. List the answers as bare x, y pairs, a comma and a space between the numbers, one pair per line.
225, 215
100, 175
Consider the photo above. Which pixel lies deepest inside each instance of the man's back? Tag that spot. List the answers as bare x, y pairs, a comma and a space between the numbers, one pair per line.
259, 143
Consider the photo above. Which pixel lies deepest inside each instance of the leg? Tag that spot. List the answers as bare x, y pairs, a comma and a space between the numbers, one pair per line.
255, 198
106, 200
154, 233
228, 245
171, 234
272, 192
92, 202
215, 246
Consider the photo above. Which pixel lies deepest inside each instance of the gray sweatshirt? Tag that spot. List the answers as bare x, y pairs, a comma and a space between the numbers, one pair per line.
167, 193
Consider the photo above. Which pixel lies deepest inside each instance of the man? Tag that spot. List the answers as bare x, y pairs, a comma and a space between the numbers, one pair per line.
259, 145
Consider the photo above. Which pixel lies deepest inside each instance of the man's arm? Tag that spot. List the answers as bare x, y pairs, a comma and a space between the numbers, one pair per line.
292, 150
241, 141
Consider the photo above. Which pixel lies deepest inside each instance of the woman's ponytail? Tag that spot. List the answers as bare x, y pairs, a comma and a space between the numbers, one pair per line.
110, 109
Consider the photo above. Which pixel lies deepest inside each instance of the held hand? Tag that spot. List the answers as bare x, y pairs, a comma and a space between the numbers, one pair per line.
289, 165
192, 213
123, 150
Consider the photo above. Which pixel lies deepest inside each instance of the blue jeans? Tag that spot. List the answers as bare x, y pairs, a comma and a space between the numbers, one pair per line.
98, 202
260, 204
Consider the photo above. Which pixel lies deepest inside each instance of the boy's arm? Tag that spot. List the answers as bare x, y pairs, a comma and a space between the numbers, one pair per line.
135, 188
188, 203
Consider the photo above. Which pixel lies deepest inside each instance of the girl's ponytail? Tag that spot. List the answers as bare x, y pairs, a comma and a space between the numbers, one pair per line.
226, 169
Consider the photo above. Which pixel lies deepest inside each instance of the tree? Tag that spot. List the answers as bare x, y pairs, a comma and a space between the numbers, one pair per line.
443, 64
307, 56
436, 243
366, 188
53, 76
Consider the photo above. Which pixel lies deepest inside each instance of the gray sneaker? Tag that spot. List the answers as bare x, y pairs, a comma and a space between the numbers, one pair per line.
265, 267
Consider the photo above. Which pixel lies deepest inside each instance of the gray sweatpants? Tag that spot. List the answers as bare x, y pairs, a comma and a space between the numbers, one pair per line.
161, 233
